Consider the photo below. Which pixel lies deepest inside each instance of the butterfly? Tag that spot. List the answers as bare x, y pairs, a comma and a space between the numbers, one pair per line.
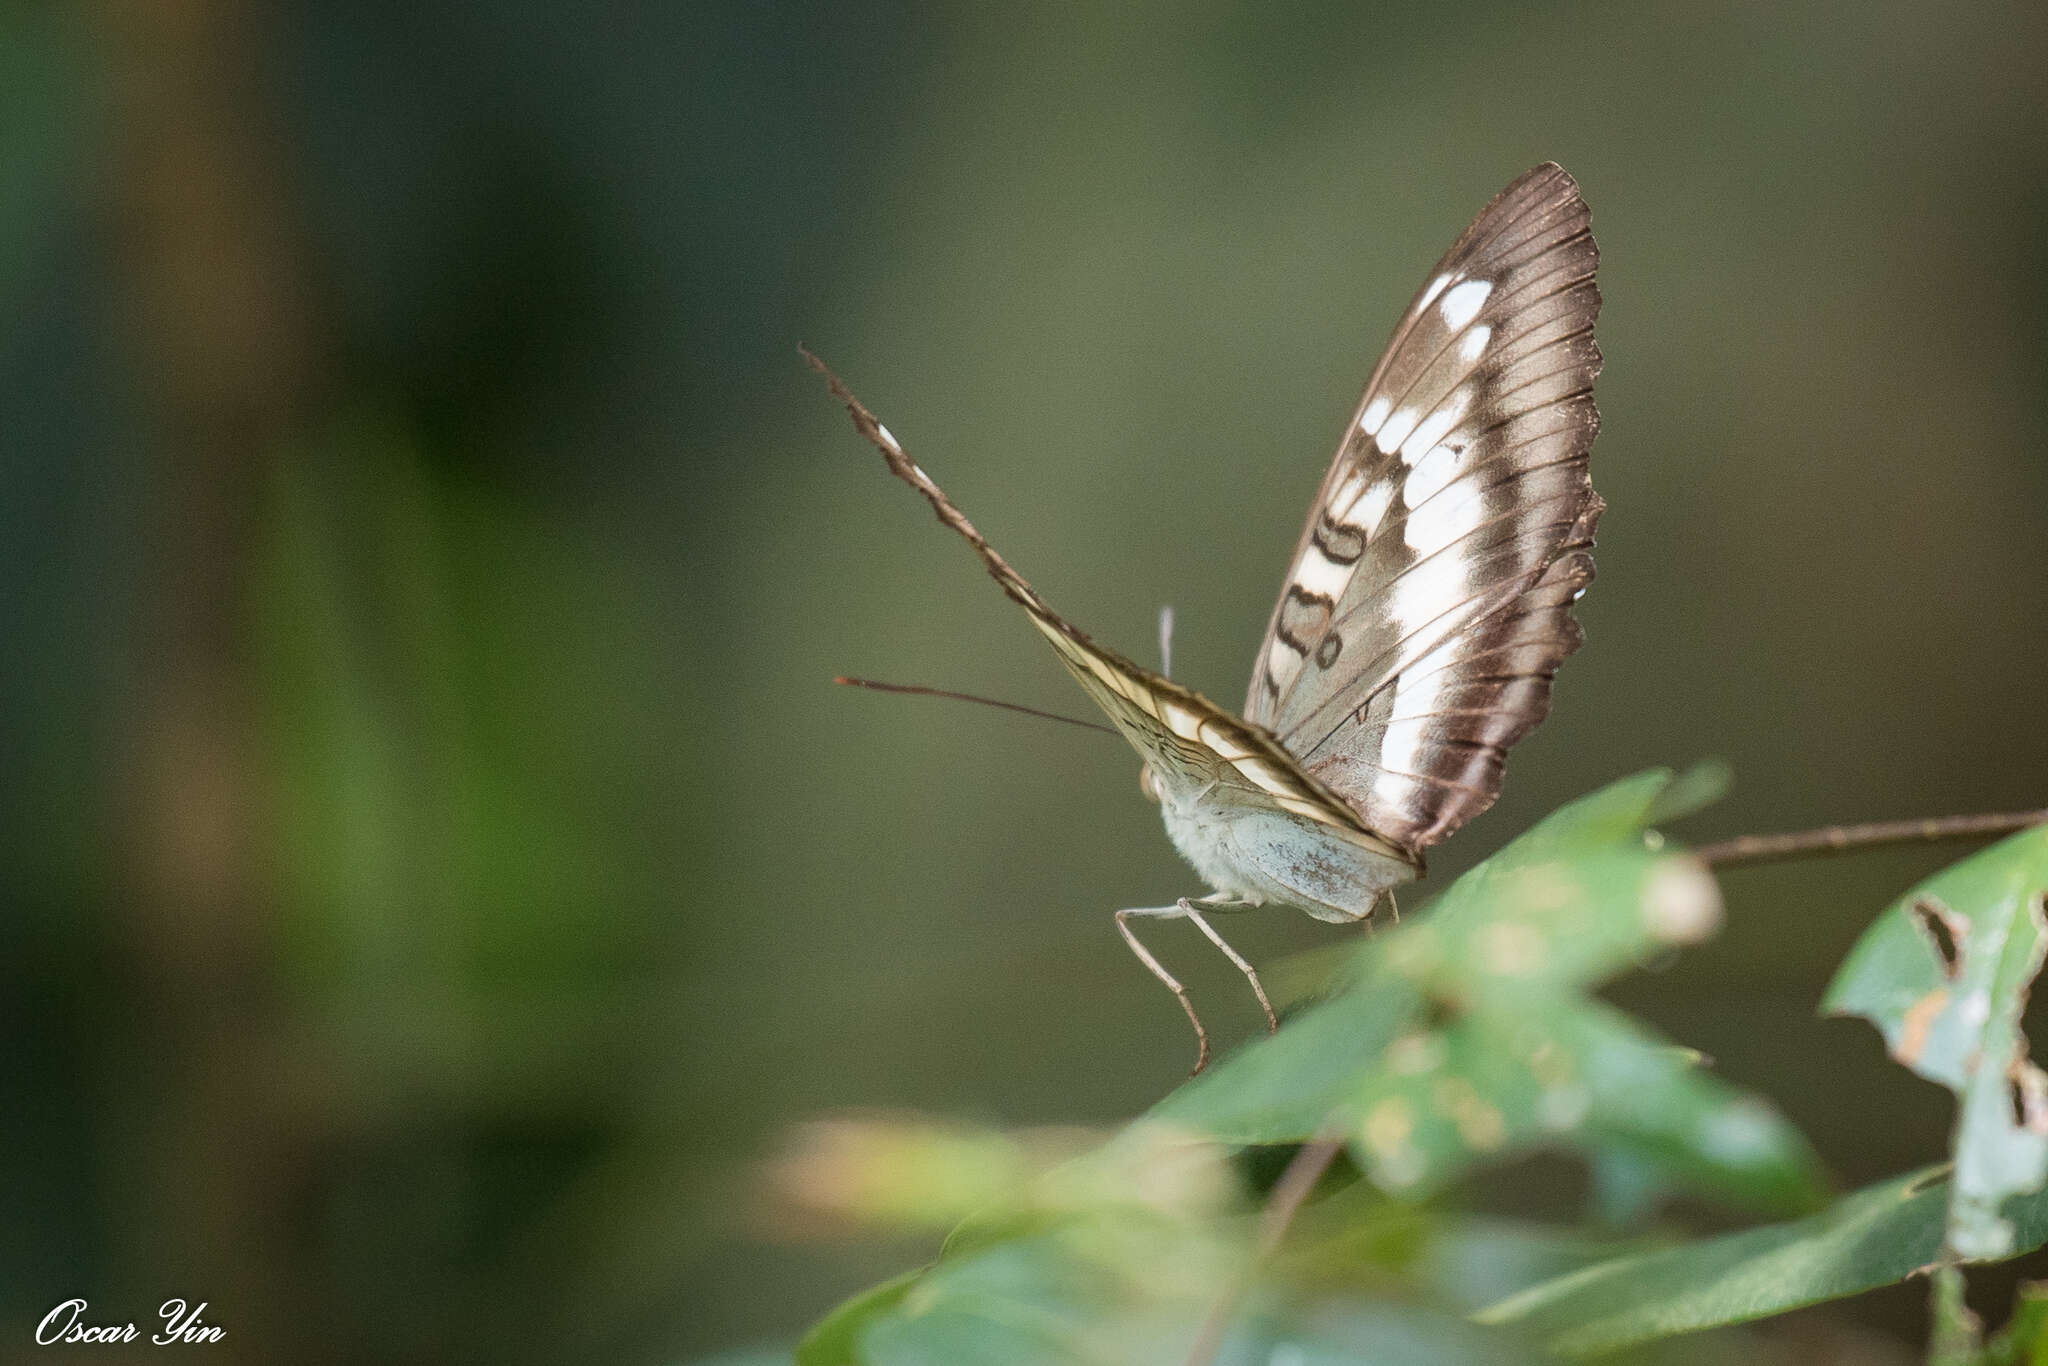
1425, 612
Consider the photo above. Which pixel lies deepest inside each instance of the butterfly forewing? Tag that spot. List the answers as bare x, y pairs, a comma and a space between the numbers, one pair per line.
1428, 604
1184, 736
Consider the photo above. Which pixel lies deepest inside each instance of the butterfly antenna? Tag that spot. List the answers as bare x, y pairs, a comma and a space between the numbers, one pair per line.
916, 690
1166, 641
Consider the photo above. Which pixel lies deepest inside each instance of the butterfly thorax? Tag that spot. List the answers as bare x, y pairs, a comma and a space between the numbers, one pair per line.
1259, 853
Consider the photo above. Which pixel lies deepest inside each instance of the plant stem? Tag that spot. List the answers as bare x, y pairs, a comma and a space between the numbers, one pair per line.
1285, 1200
1842, 839
1956, 1337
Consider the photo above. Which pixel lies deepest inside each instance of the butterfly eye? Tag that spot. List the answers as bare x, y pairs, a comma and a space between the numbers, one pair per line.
1147, 784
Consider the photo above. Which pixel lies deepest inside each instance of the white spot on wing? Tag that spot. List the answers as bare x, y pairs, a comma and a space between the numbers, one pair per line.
1375, 413
1474, 345
1436, 287
1433, 429
1429, 476
1366, 516
1422, 595
1462, 303
1390, 436
1322, 576
888, 437
1401, 746
1456, 512
1345, 494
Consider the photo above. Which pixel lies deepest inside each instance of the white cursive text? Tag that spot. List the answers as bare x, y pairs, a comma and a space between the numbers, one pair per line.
181, 1326
65, 1325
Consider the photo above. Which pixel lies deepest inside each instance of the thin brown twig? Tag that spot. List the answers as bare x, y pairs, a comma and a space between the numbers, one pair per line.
1285, 1200
1843, 839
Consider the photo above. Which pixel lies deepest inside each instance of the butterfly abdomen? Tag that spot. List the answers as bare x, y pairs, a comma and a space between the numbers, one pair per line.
1258, 853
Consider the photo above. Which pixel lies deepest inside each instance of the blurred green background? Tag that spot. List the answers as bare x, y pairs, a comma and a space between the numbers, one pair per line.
437, 864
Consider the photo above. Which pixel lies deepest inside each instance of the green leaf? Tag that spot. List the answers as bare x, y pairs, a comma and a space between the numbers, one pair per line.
1348, 1334
2024, 1339
1694, 789
1874, 1237
1281, 1088
1574, 1073
1652, 1100
1616, 813
1573, 899
1943, 974
1572, 902
1017, 1302
1123, 1290
1120, 1288
1470, 1261
1627, 1187
835, 1341
1509, 1053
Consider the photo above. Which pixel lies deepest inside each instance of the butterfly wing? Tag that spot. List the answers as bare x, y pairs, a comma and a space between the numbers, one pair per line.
1187, 739
1428, 604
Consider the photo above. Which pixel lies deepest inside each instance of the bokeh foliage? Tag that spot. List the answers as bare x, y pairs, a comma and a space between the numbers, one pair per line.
1425, 1065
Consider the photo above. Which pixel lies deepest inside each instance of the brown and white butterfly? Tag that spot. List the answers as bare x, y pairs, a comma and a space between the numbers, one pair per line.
1426, 610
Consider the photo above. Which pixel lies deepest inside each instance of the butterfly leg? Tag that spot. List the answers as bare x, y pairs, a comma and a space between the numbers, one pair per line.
1251, 974
1157, 970
1371, 926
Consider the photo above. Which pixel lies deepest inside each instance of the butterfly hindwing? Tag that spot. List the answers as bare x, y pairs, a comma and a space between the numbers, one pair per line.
1428, 603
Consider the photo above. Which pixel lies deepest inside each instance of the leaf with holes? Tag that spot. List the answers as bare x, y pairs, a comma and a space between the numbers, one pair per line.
1943, 974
